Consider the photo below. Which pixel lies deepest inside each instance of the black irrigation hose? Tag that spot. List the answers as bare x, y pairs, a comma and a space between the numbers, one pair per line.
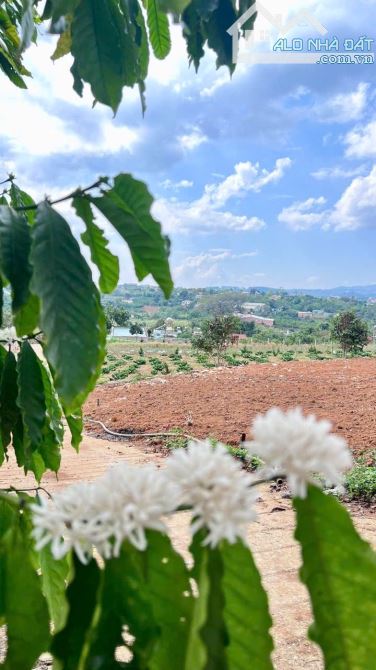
130, 435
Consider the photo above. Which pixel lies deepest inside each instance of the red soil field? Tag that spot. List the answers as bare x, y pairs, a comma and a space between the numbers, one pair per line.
221, 403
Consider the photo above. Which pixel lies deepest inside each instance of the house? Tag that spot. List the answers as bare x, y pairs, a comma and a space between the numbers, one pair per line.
254, 318
253, 306
305, 316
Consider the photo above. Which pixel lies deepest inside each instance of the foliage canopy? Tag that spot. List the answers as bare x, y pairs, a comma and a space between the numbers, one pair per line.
111, 40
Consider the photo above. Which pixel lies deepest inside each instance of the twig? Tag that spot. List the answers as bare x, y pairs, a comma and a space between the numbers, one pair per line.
10, 178
36, 489
73, 194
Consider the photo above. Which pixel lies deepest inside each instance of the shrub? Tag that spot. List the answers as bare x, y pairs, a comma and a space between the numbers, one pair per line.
361, 483
178, 441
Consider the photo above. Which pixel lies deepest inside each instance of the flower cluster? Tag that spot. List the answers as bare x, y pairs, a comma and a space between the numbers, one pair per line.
119, 506
127, 501
298, 446
217, 489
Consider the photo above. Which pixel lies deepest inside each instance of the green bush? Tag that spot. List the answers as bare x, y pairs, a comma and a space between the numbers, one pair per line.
361, 483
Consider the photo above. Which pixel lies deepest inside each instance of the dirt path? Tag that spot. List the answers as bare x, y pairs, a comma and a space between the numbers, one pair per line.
271, 539
221, 403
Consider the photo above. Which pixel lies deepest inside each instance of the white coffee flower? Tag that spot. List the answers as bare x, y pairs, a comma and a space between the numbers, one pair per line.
135, 499
214, 484
119, 506
65, 522
298, 446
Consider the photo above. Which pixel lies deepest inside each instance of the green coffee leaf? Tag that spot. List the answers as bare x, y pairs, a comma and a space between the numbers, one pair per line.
71, 316
31, 399
159, 31
98, 38
20, 198
27, 24
218, 38
11, 69
246, 612
8, 516
15, 243
123, 601
173, 6
26, 612
64, 45
10, 415
169, 589
55, 575
136, 45
244, 5
339, 570
127, 207
69, 645
26, 318
194, 33
62, 8
54, 412
208, 573
106, 262
75, 424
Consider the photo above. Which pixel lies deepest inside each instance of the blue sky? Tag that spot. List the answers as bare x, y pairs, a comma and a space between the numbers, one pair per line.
265, 179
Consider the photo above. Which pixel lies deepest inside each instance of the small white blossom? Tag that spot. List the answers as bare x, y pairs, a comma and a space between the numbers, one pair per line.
119, 506
297, 446
135, 499
214, 484
64, 522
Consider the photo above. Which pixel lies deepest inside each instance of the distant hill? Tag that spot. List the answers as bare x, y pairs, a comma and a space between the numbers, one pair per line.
356, 292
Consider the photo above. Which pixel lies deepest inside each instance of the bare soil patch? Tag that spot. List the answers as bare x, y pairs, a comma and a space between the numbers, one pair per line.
221, 403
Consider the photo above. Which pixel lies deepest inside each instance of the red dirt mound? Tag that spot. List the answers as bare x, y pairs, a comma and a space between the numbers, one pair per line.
221, 403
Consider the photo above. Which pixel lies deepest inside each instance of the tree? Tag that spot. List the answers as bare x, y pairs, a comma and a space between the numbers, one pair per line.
136, 329
215, 335
248, 328
116, 315
350, 331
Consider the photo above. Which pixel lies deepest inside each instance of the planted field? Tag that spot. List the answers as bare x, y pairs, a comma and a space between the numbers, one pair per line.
134, 361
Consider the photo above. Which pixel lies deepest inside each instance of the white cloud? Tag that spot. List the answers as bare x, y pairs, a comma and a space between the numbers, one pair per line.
337, 172
207, 265
361, 141
221, 80
344, 107
181, 217
168, 184
207, 214
192, 139
303, 215
45, 133
246, 177
354, 209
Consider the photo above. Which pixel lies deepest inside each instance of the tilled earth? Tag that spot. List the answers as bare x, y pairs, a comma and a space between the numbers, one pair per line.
221, 403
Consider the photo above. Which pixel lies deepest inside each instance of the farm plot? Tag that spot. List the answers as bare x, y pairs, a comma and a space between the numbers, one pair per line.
136, 361
221, 402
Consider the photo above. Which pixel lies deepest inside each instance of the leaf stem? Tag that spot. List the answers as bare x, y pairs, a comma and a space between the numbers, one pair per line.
76, 193
36, 489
